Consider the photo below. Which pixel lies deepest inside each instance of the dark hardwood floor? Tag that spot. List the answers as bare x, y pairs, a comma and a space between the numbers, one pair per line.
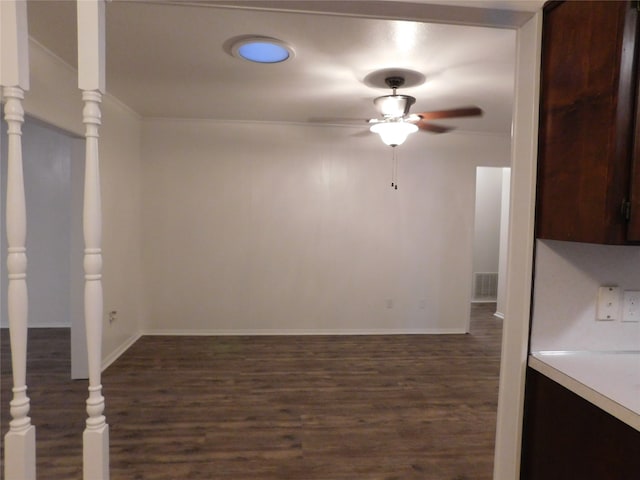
266, 408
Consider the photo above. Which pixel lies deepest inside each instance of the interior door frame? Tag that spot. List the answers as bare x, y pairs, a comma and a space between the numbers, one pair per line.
515, 336
523, 166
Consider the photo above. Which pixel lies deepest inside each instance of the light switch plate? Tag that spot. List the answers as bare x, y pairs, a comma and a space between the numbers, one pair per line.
631, 306
608, 303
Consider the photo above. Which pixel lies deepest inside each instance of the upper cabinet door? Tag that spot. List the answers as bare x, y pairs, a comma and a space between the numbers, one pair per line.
587, 121
633, 231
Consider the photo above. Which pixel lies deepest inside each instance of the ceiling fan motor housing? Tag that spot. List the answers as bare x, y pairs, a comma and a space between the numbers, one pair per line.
394, 82
394, 106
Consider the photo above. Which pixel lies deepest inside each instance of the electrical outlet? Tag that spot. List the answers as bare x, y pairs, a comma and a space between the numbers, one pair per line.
608, 303
389, 303
113, 316
631, 306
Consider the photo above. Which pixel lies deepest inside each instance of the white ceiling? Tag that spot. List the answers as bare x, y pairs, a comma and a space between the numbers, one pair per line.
166, 59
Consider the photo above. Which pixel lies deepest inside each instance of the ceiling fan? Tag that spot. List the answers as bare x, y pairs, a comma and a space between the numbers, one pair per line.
397, 123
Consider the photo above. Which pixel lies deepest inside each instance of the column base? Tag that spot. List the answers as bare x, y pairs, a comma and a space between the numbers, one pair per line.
20, 454
95, 453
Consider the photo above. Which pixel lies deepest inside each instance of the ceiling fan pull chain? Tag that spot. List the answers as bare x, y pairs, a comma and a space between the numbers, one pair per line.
393, 167
395, 174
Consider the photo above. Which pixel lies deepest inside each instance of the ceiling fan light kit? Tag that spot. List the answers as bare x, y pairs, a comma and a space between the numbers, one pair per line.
394, 128
397, 123
395, 132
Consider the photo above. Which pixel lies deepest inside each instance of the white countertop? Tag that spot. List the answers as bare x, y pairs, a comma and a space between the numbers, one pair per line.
610, 380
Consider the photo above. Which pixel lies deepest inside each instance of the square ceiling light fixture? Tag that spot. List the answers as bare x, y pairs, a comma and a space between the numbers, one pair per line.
261, 49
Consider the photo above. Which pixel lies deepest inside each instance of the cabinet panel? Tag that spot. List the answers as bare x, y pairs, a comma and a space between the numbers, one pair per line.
633, 232
586, 118
566, 437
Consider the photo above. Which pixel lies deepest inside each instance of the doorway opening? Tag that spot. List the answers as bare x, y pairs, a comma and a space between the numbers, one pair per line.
53, 166
491, 228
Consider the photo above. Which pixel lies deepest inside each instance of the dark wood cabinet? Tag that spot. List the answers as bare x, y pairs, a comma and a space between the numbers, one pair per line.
589, 139
566, 437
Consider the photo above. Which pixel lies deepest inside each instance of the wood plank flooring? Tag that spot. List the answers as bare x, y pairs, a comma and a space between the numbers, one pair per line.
266, 408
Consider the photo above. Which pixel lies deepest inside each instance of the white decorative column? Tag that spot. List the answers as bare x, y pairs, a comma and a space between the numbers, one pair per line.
20, 440
91, 82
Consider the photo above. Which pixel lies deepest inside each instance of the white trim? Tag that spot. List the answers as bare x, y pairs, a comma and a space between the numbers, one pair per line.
499, 315
354, 125
39, 325
73, 70
57, 58
48, 325
115, 354
281, 332
223, 121
515, 337
482, 13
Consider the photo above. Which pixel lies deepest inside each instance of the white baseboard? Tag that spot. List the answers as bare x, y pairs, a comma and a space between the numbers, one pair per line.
484, 300
49, 325
500, 315
114, 355
43, 325
380, 331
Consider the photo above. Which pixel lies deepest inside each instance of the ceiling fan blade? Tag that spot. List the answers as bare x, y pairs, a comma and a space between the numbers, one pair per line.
432, 127
337, 120
452, 113
362, 133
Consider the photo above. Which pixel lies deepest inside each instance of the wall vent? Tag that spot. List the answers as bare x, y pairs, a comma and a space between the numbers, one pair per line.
485, 286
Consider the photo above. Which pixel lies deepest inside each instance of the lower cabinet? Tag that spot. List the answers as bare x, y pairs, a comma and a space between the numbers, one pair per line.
566, 437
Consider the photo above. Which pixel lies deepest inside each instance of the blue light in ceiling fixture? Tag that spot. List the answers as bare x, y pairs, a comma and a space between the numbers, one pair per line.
258, 49
263, 51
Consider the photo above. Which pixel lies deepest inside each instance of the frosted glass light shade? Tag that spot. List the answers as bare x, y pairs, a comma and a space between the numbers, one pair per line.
394, 133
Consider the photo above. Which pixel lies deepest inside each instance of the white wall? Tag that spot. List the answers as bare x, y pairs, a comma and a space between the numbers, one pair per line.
567, 277
272, 228
54, 97
120, 165
47, 165
262, 228
504, 242
486, 238
487, 219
